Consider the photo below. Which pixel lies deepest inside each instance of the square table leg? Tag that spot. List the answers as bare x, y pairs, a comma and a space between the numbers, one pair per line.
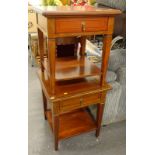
44, 104
56, 131
100, 108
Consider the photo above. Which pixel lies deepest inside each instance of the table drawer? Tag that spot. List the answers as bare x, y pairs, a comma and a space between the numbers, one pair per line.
77, 25
70, 104
77, 102
91, 99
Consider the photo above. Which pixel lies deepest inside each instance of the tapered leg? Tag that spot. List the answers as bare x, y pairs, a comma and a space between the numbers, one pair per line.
100, 108
51, 43
41, 48
44, 104
105, 55
56, 131
83, 46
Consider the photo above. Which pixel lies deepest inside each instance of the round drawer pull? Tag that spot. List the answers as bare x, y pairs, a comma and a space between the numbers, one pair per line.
83, 24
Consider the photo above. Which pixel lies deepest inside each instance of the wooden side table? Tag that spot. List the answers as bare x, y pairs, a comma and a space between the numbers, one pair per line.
70, 84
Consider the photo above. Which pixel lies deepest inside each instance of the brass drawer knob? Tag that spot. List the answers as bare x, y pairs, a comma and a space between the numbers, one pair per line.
83, 24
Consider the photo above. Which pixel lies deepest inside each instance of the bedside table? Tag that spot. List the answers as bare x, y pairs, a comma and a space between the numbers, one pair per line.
71, 84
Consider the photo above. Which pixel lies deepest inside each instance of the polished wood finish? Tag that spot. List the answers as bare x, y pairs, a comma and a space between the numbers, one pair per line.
61, 11
71, 124
75, 21
91, 99
51, 62
90, 24
100, 108
68, 68
83, 45
41, 47
56, 130
71, 84
105, 55
49, 118
71, 88
44, 104
75, 67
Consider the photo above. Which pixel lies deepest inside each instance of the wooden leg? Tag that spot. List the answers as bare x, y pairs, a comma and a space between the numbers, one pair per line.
100, 108
83, 46
56, 131
51, 44
105, 55
44, 104
41, 47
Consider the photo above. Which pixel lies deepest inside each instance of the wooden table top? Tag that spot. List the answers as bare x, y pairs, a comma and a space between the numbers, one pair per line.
74, 10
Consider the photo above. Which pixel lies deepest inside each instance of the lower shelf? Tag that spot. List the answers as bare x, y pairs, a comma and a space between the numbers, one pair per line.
73, 123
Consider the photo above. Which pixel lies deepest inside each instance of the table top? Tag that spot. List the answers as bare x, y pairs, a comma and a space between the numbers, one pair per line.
74, 10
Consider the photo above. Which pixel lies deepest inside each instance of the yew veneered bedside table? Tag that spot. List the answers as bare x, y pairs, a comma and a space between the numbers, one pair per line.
71, 84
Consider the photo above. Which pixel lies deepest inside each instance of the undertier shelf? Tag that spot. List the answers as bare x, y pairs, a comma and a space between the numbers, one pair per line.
73, 123
70, 87
68, 68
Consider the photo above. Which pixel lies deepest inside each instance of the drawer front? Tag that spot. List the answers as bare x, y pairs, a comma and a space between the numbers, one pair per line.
96, 24
77, 25
85, 100
70, 104
91, 99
